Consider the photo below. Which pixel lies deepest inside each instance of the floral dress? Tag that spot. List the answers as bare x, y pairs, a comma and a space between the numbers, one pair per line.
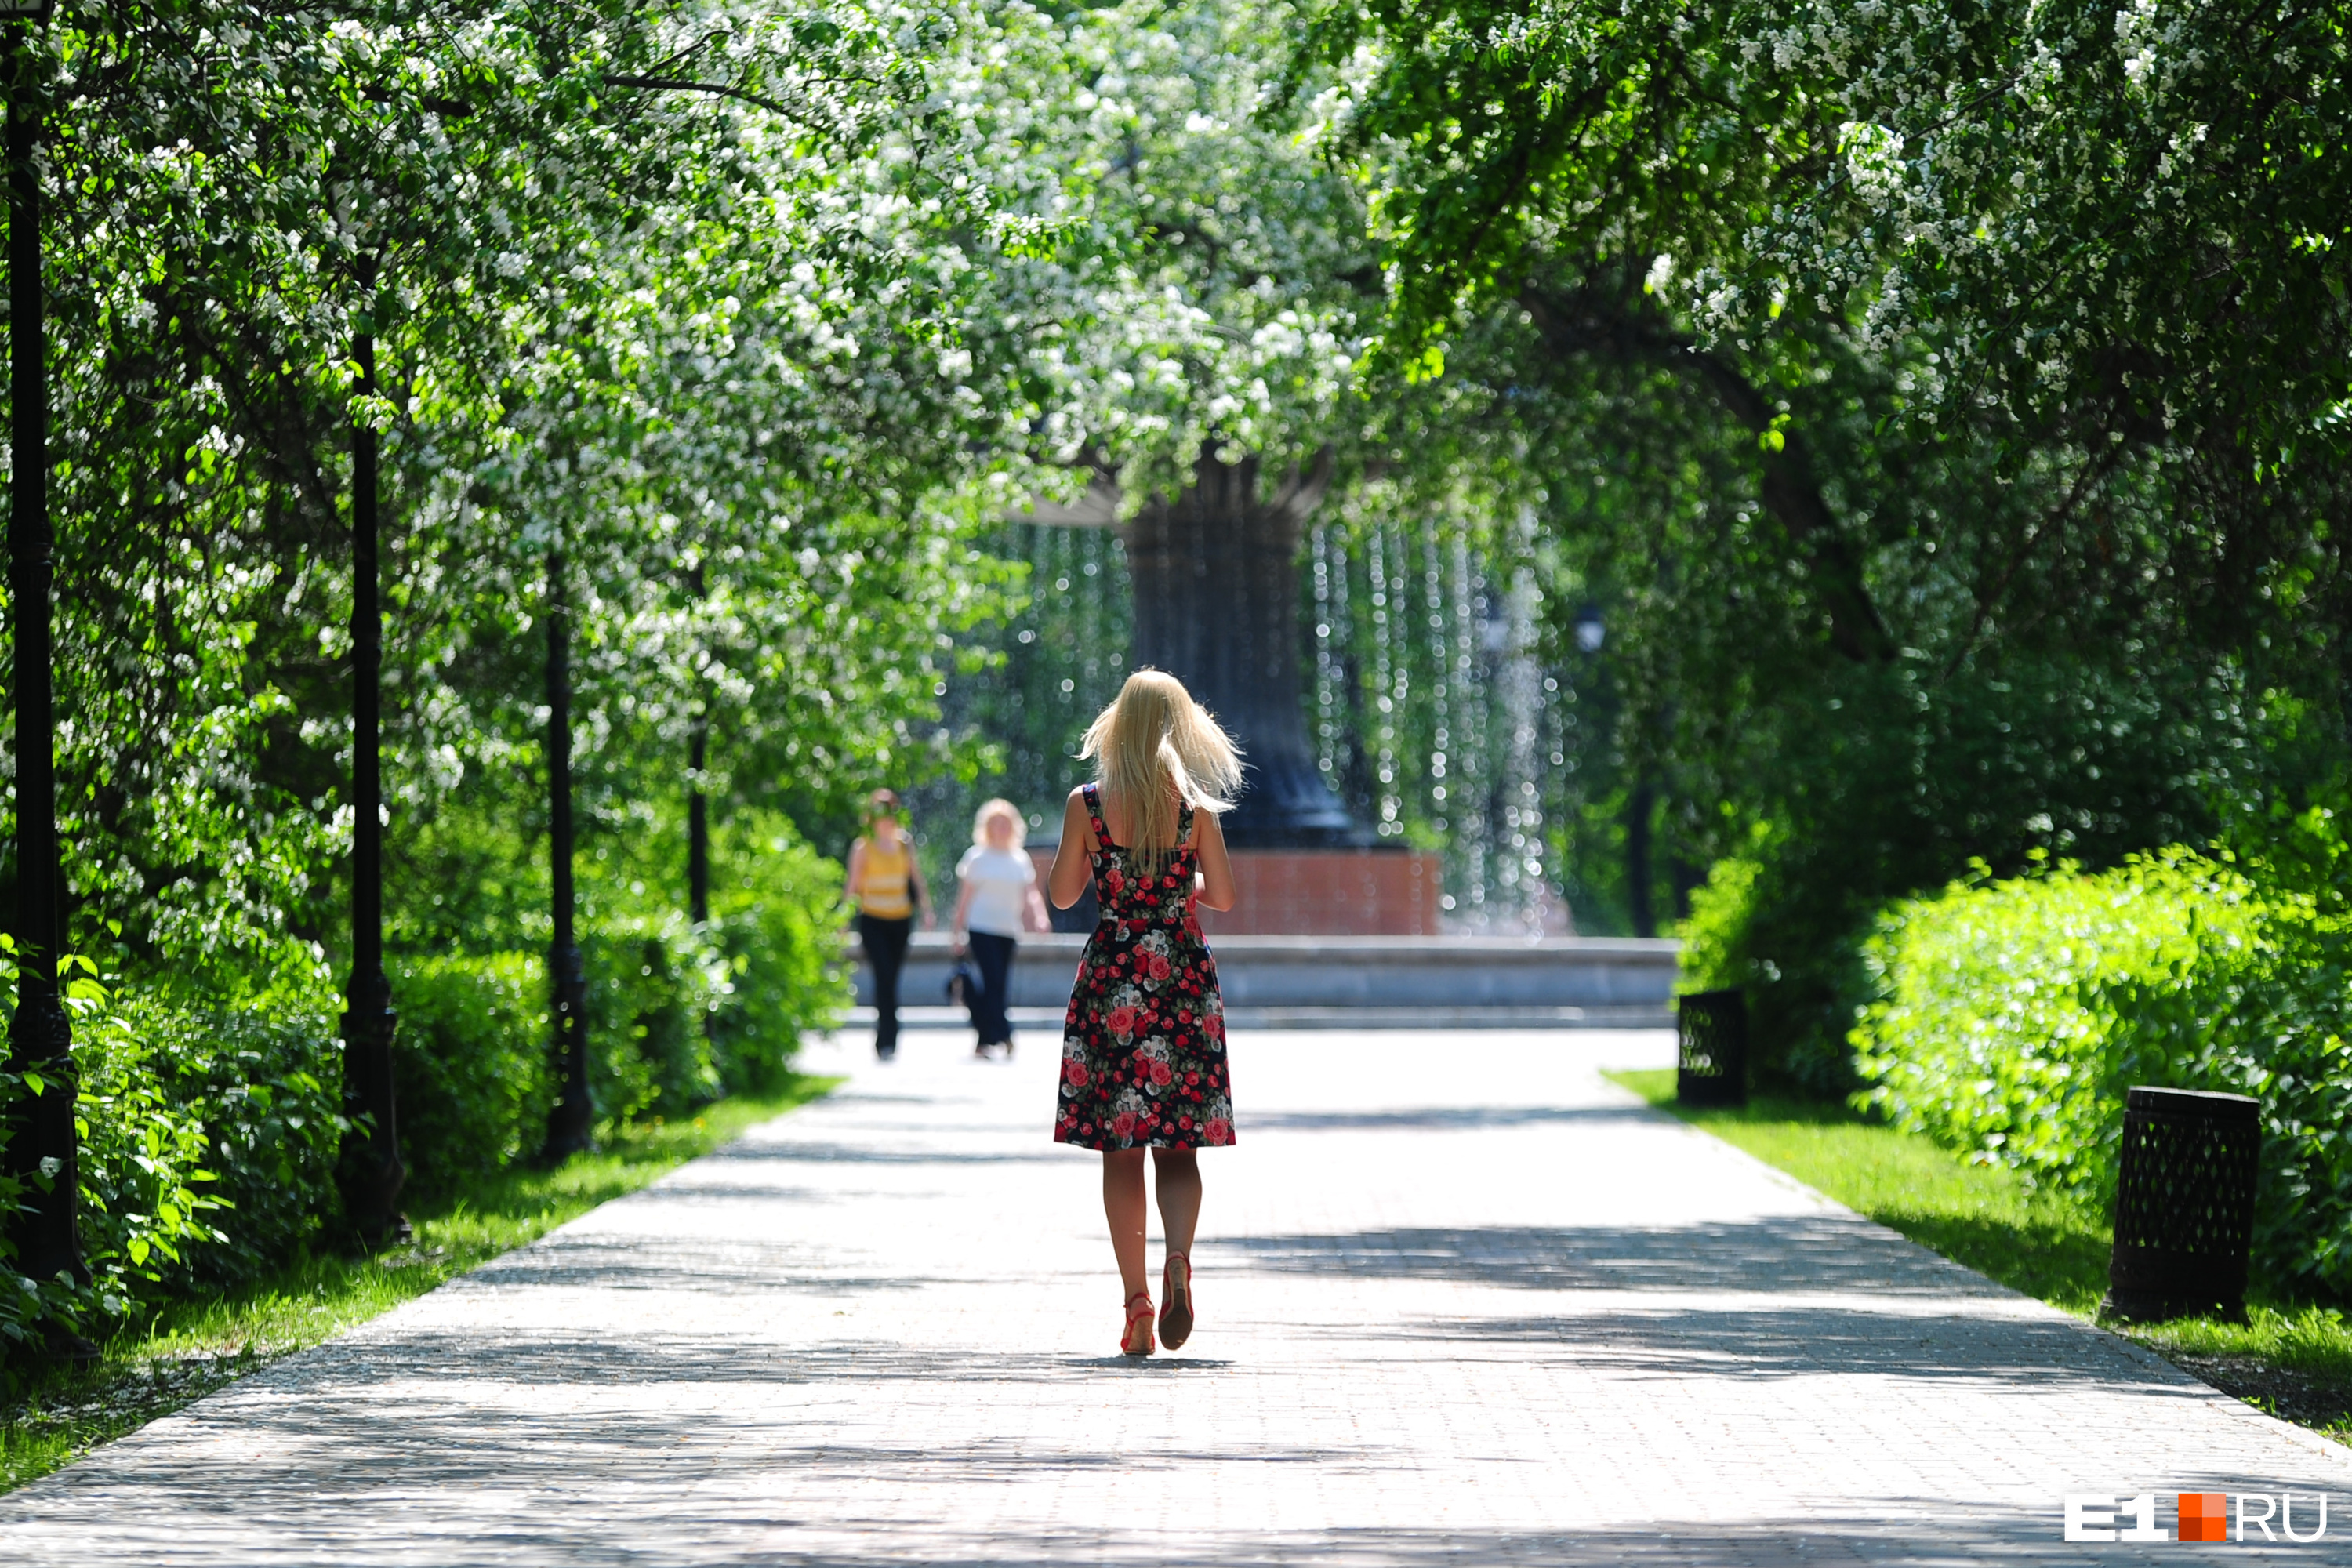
1143, 1045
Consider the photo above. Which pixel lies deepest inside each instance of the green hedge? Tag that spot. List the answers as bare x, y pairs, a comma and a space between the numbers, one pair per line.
474, 1072
207, 1150
209, 1134
782, 944
470, 1073
676, 1016
1762, 926
2013, 1016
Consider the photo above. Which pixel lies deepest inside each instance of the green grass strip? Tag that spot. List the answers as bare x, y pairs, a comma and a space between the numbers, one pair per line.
194, 1346
2291, 1359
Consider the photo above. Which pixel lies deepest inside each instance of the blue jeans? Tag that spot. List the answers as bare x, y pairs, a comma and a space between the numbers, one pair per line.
992, 957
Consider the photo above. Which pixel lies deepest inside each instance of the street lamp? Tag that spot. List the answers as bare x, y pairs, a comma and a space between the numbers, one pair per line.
41, 1149
572, 1122
369, 1171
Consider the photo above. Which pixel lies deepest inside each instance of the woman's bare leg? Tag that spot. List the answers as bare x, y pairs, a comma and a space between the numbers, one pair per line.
1179, 1181
1123, 1205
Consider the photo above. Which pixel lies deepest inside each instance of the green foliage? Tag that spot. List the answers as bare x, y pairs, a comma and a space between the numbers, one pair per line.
1946, 409
1715, 955
2011, 1015
470, 1070
676, 1016
1899, 779
205, 1150
265, 1089
655, 986
781, 935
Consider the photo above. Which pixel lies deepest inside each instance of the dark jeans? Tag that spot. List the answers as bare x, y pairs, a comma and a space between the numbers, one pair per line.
886, 950
993, 955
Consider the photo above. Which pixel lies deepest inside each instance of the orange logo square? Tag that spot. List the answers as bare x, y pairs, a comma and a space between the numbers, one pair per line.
2204, 1516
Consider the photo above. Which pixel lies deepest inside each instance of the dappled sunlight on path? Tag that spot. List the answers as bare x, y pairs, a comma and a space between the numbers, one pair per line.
1462, 1302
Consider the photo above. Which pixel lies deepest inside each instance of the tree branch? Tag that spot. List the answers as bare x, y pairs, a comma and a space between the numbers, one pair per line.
720, 89
1585, 322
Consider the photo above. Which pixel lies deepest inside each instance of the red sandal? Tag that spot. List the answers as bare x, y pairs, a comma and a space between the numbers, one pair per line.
1136, 1339
1176, 1317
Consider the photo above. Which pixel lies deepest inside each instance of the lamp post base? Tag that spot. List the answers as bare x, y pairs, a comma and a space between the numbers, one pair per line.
370, 1172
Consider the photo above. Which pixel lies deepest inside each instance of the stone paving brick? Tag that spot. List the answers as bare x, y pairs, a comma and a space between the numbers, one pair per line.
1462, 1302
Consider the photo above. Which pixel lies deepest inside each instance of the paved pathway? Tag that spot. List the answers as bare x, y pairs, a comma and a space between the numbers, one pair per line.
1462, 1302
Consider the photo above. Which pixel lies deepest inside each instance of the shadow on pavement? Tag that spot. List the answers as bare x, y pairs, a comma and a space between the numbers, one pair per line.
1803, 1341
1445, 1119
594, 1260
797, 1150
1782, 1253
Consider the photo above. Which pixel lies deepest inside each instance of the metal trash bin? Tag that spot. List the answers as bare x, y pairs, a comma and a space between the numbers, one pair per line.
2184, 1205
1711, 1063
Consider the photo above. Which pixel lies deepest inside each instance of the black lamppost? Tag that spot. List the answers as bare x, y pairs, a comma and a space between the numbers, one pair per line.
571, 1125
698, 827
41, 1148
698, 804
369, 1171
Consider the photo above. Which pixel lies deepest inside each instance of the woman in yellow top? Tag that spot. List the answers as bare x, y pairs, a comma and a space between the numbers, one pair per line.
888, 887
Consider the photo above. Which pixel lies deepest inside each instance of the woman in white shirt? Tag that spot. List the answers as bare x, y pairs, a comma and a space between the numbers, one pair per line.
998, 903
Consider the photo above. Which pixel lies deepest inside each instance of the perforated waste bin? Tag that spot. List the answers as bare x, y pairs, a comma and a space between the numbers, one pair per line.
2184, 1205
1711, 1063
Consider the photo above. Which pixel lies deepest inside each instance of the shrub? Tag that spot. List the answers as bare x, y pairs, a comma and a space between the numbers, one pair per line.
653, 986
783, 943
1715, 955
1893, 778
475, 1074
206, 1148
266, 1090
2013, 1015
1763, 925
471, 1072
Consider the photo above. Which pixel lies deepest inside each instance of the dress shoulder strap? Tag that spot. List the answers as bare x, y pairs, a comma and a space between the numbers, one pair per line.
1093, 795
1183, 825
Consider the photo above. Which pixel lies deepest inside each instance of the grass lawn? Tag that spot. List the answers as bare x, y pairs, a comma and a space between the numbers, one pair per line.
2291, 1359
192, 1347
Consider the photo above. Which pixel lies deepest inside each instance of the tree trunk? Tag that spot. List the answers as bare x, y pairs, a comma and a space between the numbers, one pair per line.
698, 804
571, 1125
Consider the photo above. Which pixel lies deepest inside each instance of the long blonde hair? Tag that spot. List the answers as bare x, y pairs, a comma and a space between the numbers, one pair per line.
1152, 746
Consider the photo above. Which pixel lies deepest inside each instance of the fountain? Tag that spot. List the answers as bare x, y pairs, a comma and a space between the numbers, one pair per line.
1214, 572
1408, 747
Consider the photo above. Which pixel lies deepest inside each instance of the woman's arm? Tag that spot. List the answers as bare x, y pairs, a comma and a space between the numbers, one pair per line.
1033, 910
854, 889
1216, 867
922, 893
963, 908
1074, 857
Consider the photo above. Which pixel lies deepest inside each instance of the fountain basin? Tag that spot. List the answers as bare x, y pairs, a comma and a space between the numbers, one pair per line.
1355, 982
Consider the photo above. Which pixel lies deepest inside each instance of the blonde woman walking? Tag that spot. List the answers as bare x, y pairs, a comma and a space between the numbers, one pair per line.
1143, 1044
998, 903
